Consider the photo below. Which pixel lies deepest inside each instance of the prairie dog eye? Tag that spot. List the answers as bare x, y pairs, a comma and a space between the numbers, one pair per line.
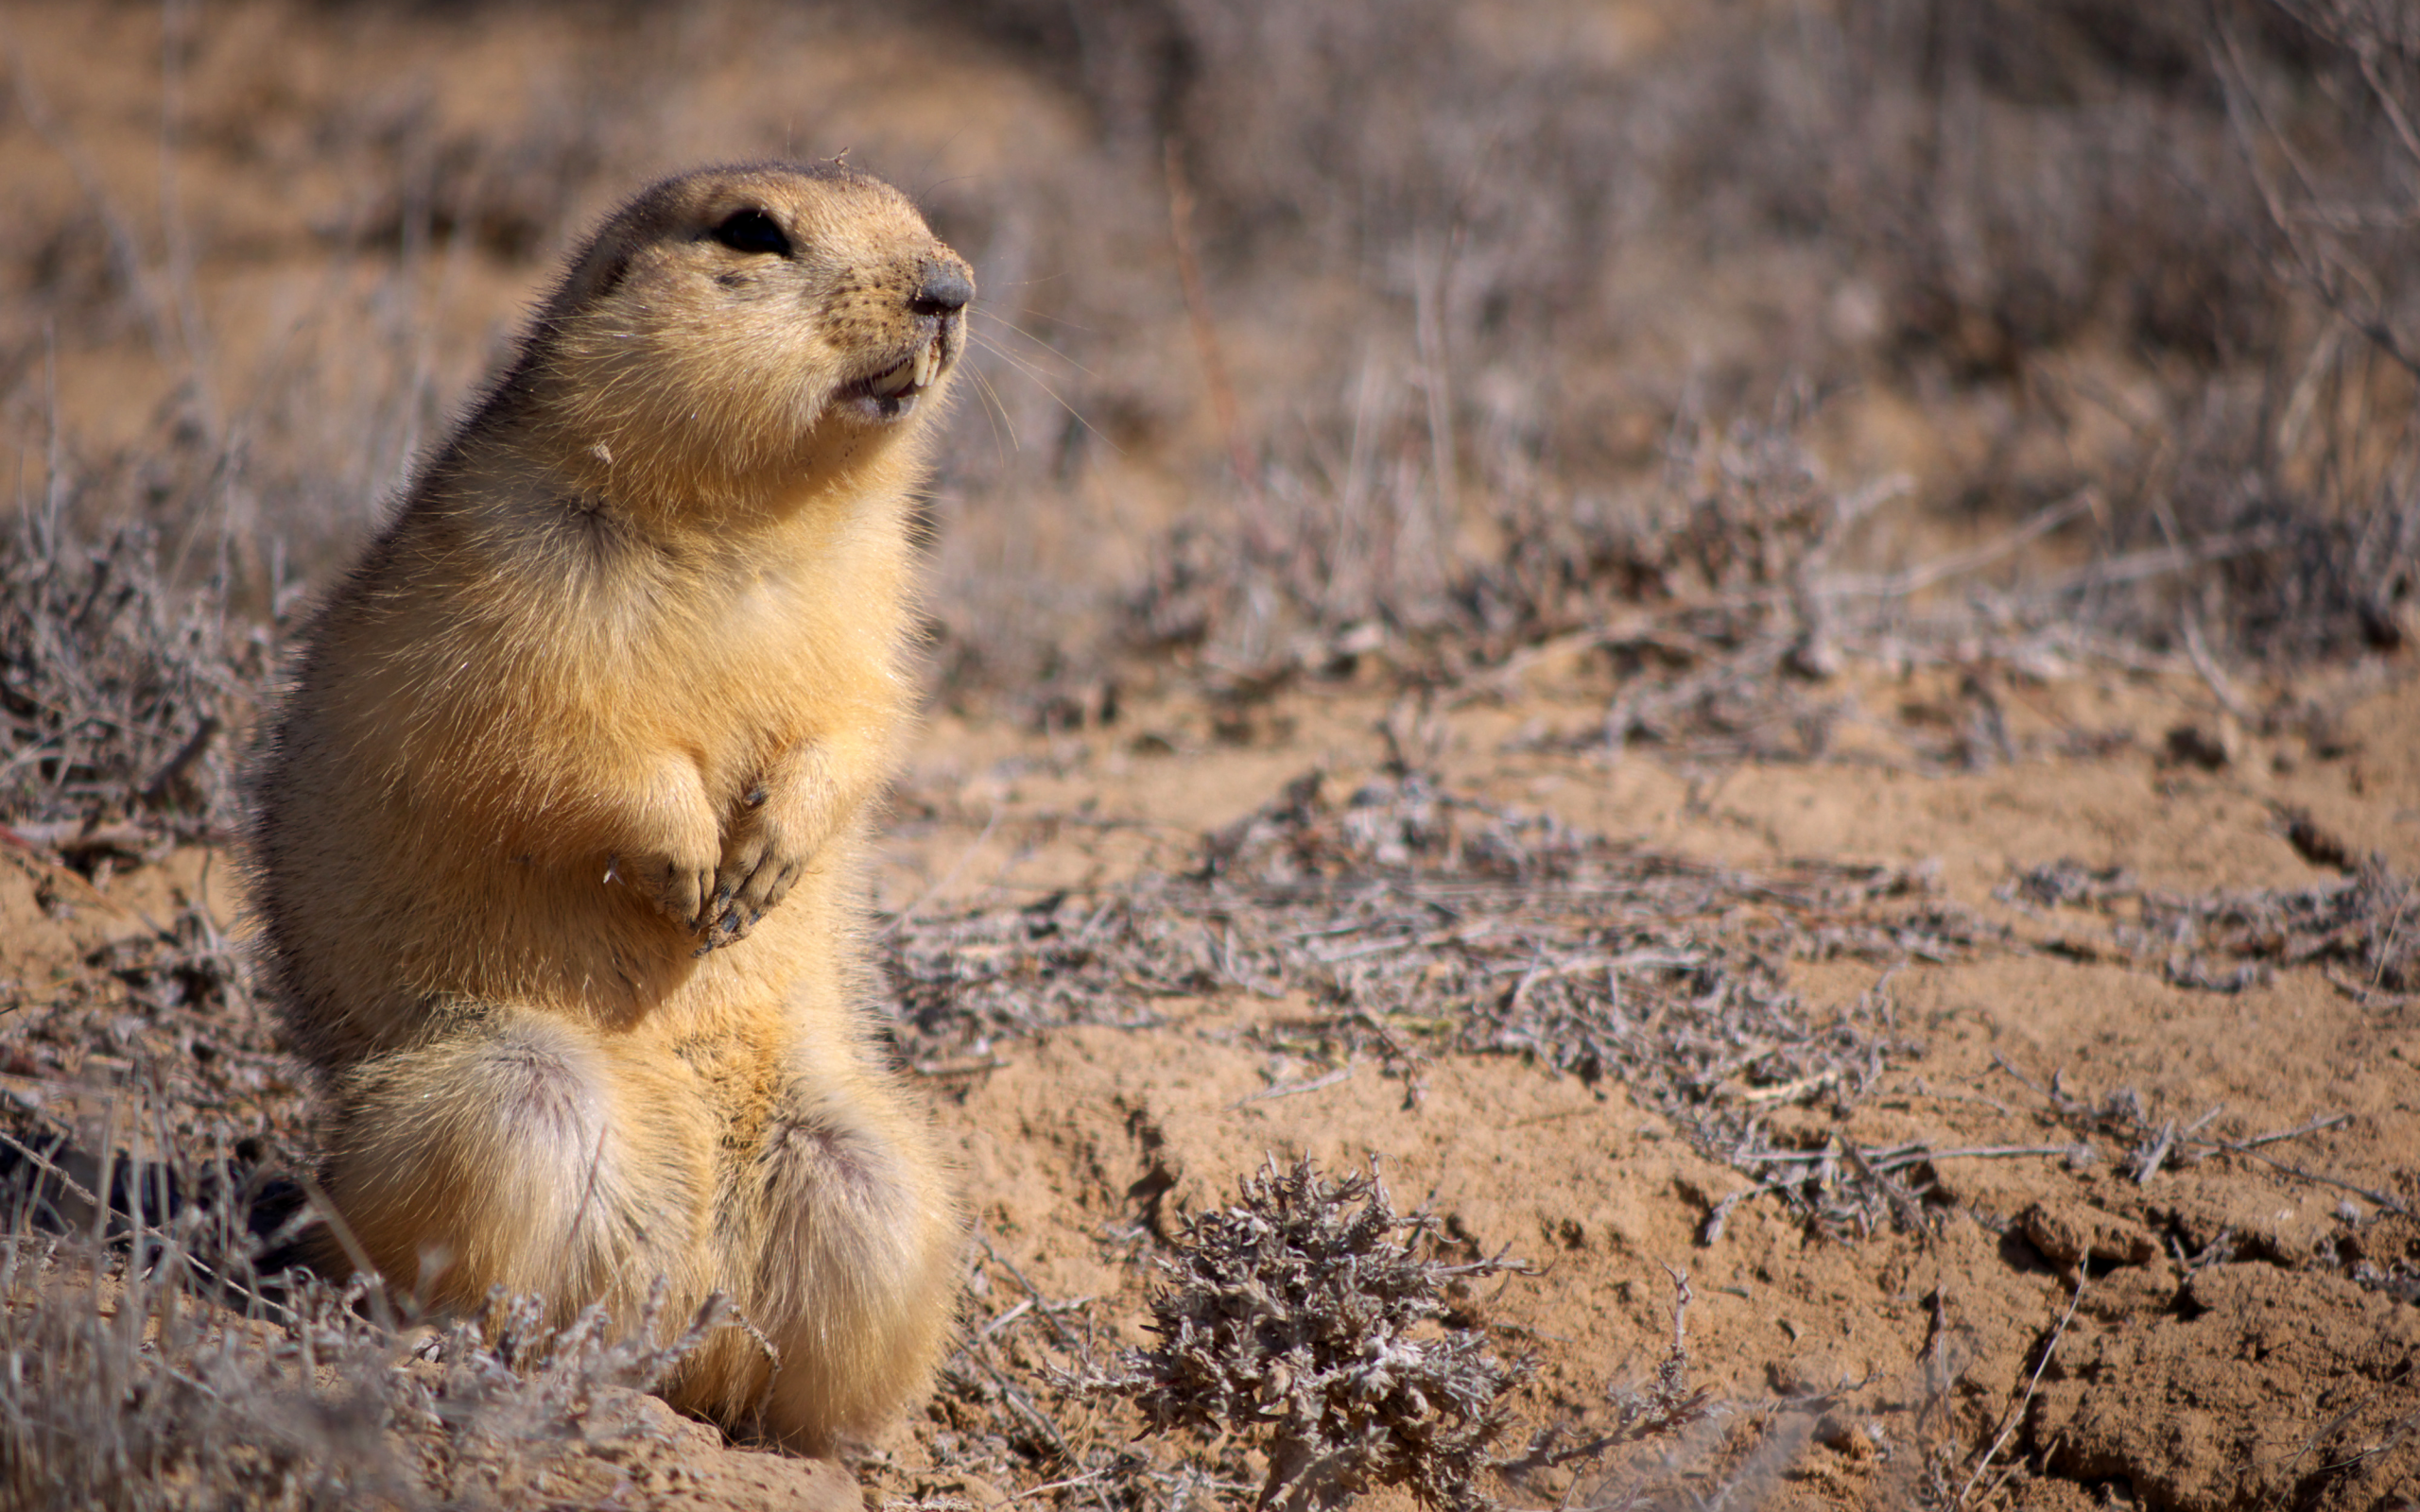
752, 231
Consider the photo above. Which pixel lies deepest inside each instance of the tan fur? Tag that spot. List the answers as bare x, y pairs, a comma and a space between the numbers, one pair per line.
557, 834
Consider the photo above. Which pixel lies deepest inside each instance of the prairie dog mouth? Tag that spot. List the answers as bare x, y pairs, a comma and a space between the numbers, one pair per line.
893, 392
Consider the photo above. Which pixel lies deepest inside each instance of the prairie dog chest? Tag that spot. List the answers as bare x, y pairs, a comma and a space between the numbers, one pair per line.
745, 664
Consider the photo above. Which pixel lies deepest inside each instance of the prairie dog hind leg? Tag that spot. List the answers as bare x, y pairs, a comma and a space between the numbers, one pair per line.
498, 1155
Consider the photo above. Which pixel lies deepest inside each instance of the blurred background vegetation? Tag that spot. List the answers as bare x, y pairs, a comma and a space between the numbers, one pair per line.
1317, 336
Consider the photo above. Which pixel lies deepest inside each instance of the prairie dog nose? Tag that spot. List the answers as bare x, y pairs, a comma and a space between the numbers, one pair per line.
942, 289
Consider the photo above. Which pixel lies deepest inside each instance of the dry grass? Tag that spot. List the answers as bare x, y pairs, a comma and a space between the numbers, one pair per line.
153, 1364
1448, 261
120, 693
2362, 931
1409, 922
1951, 194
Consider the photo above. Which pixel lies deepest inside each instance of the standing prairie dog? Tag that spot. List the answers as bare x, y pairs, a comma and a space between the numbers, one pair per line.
558, 832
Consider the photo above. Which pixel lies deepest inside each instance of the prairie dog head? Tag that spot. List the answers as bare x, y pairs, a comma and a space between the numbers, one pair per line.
745, 332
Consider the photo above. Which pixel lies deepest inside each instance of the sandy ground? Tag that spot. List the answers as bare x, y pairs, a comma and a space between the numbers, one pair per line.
2236, 1330
2220, 1351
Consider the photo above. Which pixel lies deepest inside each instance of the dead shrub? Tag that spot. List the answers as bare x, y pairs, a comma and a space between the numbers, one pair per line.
1311, 1314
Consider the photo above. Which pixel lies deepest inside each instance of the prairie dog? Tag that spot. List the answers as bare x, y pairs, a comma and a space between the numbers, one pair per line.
557, 834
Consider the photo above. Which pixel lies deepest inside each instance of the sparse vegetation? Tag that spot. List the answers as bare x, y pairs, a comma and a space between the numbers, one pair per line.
122, 694
2159, 252
163, 1373
2360, 931
2158, 255
1421, 923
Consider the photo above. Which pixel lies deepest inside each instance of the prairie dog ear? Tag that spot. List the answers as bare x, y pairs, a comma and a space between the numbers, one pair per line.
594, 276
605, 262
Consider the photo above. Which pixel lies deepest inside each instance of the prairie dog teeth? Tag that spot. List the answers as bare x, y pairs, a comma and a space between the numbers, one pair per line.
925, 362
898, 380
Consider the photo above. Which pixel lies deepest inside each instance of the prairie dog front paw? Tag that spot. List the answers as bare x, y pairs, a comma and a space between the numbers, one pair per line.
672, 853
762, 859
773, 833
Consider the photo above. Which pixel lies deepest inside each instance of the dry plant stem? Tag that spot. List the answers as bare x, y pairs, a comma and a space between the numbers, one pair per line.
1294, 1089
1659, 1409
1213, 361
74, 1187
2016, 1412
1033, 1293
65, 835
177, 765
2385, 1201
1016, 1397
1920, 1156
2311, 263
1430, 273
2222, 687
1089, 1478
1959, 563
355, 1255
2118, 1117
2367, 54
2154, 1154
2326, 1121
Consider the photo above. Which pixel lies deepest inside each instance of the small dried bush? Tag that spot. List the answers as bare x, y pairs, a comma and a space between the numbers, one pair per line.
1313, 1316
